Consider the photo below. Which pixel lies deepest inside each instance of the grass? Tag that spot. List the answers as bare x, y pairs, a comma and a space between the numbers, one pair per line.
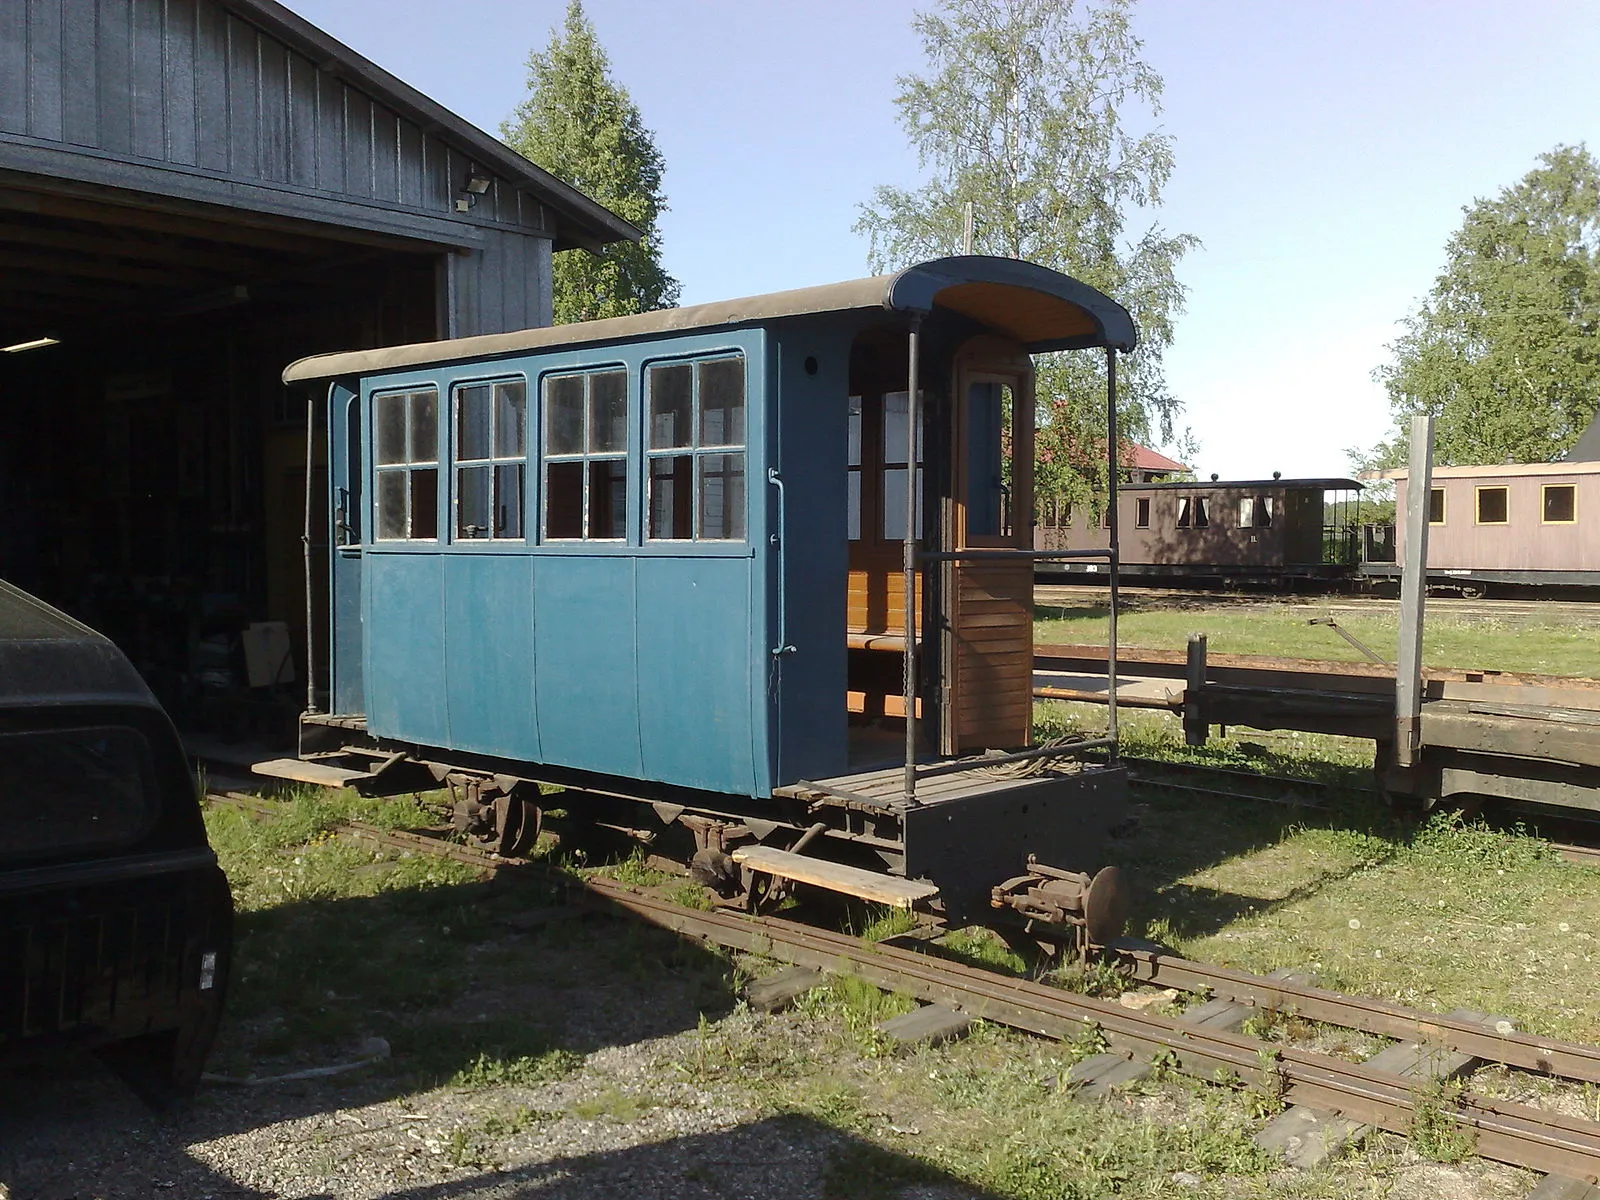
337, 941
1438, 913
1542, 646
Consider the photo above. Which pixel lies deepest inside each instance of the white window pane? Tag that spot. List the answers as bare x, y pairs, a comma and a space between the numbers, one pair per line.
670, 406
510, 419
671, 497
389, 429
472, 421
722, 496
563, 415
722, 402
474, 487
508, 500
424, 426
608, 412
391, 504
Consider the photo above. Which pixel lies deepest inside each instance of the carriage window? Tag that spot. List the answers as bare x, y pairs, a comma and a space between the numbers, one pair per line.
894, 467
1492, 506
697, 450
1141, 513
1255, 512
1192, 513
490, 425
990, 412
853, 479
1560, 502
1436, 506
585, 456
405, 432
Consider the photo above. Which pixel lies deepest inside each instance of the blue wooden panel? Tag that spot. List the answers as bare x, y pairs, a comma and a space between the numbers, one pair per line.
346, 480
812, 738
405, 652
695, 709
488, 640
583, 622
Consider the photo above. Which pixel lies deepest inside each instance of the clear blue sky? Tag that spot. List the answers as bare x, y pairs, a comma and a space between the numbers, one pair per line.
1324, 153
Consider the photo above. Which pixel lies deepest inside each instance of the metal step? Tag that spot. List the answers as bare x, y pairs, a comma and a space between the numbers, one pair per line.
852, 881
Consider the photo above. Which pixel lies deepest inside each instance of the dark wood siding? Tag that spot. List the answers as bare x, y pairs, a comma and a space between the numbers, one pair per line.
190, 87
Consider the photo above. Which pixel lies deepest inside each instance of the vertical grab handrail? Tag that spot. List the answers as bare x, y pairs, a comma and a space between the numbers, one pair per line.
776, 541
909, 555
1113, 528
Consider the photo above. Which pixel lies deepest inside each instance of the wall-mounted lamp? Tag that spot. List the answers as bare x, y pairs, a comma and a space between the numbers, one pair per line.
38, 343
477, 184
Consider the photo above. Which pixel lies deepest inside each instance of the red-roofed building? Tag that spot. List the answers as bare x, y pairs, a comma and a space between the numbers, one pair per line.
1144, 465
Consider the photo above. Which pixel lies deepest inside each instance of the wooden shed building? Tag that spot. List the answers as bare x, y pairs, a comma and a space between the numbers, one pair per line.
192, 194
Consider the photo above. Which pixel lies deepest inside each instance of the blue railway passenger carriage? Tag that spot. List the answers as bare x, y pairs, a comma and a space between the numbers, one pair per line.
665, 562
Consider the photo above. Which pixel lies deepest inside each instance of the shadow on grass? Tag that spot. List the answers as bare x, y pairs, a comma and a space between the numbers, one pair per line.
1177, 836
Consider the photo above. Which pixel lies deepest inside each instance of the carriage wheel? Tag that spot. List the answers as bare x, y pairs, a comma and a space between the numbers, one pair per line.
516, 825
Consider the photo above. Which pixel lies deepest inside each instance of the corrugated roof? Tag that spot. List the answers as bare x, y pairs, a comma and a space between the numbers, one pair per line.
586, 222
1041, 308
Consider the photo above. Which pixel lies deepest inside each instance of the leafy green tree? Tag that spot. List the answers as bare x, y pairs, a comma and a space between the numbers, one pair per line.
585, 130
1504, 352
1020, 115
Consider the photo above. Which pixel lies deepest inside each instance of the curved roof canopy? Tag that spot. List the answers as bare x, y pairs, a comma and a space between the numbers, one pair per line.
1041, 308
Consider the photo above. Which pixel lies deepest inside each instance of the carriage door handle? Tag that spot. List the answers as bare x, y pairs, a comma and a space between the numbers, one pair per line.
776, 541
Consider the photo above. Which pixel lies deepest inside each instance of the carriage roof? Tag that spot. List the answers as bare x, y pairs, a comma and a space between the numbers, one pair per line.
1040, 308
1247, 485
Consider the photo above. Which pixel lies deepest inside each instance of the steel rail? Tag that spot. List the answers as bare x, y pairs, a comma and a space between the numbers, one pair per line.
1549, 1056
1512, 1133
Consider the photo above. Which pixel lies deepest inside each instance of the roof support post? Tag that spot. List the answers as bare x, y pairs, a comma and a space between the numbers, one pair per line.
305, 550
1112, 463
909, 552
1413, 595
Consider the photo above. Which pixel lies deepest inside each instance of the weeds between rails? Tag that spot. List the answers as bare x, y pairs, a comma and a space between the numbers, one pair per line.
1512, 1133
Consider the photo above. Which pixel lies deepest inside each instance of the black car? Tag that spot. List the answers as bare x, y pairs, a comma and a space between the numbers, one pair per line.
115, 919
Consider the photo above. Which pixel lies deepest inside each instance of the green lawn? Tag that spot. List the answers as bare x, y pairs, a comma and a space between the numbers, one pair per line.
1432, 912
1503, 644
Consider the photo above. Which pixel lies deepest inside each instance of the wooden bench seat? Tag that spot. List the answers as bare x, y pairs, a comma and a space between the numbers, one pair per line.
867, 639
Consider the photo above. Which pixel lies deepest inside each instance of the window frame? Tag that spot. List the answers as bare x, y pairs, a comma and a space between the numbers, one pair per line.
694, 450
1444, 504
587, 457
408, 467
1477, 503
493, 462
1141, 512
1544, 490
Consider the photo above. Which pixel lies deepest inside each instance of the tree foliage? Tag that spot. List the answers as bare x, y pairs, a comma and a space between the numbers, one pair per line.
585, 130
1504, 352
1021, 114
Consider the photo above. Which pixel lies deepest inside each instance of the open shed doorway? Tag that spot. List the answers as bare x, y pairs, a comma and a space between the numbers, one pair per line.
152, 471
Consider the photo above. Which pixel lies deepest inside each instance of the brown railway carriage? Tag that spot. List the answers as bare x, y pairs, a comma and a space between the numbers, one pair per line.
1246, 531
1512, 523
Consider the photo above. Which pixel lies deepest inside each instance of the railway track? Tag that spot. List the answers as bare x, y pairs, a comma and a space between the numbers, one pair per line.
1565, 1148
1134, 599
